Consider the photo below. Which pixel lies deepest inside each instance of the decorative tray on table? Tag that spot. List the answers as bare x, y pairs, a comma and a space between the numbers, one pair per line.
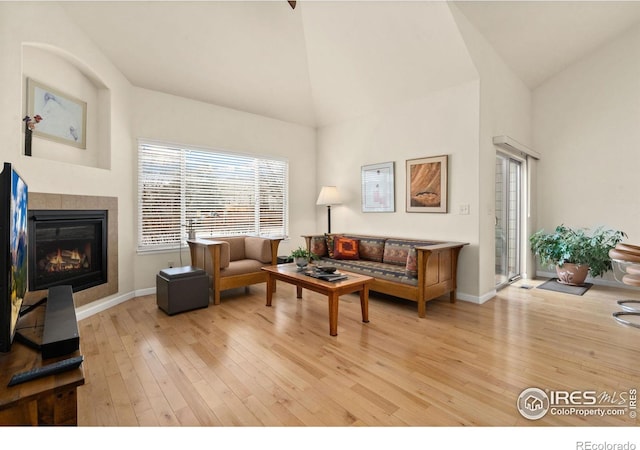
325, 273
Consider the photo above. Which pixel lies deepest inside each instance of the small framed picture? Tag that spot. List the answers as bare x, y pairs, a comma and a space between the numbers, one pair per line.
378, 188
64, 118
427, 184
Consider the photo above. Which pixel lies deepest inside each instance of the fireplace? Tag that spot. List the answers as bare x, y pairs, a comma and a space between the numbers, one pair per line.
67, 247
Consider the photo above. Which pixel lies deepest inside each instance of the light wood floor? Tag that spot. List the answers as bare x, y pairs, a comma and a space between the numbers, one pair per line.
241, 363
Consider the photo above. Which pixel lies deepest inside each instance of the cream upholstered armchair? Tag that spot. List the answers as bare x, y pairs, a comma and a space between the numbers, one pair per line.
233, 262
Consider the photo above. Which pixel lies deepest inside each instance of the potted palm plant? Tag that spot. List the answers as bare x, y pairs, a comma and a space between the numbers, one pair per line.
576, 252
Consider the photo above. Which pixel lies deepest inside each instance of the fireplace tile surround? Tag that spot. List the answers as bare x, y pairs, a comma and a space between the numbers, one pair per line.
38, 200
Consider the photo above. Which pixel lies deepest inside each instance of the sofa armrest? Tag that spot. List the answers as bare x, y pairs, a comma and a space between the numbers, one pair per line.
317, 249
274, 243
225, 254
442, 245
205, 254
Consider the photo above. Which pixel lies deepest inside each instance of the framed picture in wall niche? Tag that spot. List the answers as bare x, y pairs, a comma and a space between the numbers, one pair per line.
64, 118
427, 184
378, 188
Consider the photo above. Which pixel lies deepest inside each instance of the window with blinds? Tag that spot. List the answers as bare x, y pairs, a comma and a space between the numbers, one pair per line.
217, 193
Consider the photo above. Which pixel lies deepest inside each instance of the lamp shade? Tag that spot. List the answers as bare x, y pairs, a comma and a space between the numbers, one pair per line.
328, 196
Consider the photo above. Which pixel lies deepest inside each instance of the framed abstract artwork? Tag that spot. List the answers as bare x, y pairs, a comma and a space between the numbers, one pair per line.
64, 118
378, 187
427, 184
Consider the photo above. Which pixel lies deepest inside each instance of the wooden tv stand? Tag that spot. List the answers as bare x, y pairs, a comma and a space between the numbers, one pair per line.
50, 400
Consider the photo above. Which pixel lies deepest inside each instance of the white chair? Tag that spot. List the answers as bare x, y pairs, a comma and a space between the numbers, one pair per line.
626, 260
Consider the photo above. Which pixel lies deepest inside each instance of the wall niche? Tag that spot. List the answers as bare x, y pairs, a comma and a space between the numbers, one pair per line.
58, 70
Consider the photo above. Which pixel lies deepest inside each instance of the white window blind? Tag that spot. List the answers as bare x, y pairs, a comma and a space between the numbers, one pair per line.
218, 193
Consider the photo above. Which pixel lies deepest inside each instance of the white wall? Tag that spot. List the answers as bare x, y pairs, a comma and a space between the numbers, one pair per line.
459, 121
46, 25
56, 69
444, 122
174, 119
133, 113
505, 109
586, 123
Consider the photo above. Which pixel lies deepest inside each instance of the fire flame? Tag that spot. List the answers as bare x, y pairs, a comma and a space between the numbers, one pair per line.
64, 260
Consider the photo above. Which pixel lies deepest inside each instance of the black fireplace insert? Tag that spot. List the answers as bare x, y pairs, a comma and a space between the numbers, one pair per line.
67, 247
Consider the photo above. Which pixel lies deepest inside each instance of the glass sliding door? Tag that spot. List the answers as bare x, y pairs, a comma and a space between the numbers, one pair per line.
508, 222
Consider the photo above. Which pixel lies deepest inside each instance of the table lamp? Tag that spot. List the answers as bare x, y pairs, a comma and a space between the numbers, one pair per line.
328, 196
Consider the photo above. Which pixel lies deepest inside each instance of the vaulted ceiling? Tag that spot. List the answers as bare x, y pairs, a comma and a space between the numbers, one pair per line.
326, 61
538, 39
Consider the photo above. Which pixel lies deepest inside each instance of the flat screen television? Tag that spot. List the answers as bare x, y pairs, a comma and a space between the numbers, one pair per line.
13, 252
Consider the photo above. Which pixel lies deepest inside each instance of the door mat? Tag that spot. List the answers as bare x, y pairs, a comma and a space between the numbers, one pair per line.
554, 285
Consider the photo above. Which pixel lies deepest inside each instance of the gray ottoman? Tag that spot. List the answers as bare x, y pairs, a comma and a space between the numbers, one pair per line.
180, 289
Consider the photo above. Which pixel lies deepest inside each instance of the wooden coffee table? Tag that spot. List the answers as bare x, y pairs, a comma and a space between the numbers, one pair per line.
289, 273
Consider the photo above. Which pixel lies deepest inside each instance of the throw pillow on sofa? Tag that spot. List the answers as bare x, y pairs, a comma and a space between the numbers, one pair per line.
319, 246
345, 248
396, 252
412, 260
370, 249
412, 263
330, 238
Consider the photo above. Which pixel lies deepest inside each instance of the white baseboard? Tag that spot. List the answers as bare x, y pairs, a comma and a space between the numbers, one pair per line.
597, 281
98, 306
478, 300
89, 310
146, 291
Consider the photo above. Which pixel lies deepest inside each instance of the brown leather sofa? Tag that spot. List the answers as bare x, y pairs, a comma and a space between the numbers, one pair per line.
233, 262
